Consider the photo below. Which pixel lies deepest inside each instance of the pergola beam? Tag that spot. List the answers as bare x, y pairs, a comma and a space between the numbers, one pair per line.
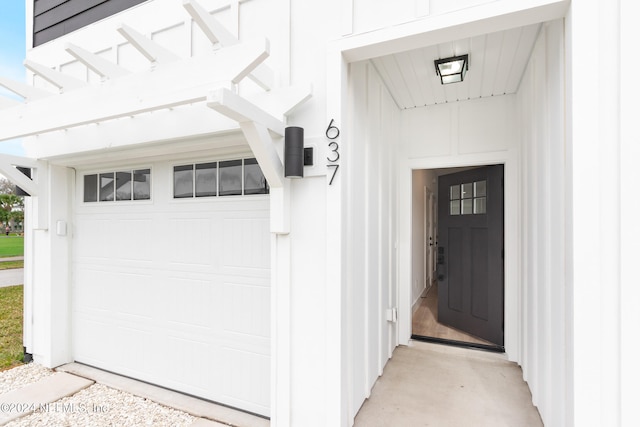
263, 76
147, 47
29, 93
99, 65
135, 93
60, 80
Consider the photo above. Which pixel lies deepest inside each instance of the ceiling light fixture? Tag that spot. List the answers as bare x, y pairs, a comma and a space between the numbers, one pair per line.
452, 70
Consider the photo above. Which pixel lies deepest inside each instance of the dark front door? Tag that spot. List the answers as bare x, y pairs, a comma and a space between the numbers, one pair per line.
470, 252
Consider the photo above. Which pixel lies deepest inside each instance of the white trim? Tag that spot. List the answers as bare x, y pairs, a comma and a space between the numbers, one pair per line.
136, 93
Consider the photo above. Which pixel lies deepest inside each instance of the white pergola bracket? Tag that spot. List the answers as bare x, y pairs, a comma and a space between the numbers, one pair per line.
60, 80
35, 186
263, 76
283, 101
99, 65
147, 47
239, 109
256, 125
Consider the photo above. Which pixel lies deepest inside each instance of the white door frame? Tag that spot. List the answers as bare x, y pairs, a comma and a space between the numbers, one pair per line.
512, 309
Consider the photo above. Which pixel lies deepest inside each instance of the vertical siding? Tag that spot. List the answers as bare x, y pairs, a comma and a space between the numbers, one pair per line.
370, 256
55, 18
544, 332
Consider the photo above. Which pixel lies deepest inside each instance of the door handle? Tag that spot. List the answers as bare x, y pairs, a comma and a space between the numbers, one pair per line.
440, 266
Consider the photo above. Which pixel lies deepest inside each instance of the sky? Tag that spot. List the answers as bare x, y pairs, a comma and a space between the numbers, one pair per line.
12, 54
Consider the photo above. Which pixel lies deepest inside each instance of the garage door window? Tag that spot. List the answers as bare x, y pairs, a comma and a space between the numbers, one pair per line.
118, 186
224, 178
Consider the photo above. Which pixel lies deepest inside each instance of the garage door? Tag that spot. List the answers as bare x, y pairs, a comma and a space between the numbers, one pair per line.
173, 289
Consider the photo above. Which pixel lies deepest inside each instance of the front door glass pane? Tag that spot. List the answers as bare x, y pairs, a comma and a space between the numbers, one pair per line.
479, 188
480, 205
454, 207
467, 206
467, 191
454, 192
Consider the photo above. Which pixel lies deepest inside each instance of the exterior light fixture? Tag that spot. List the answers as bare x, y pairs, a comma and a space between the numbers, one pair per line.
293, 152
452, 70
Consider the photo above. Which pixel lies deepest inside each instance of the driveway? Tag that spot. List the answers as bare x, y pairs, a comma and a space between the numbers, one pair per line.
14, 276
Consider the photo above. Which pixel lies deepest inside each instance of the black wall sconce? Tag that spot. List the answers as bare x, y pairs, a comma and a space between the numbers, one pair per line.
293, 152
452, 70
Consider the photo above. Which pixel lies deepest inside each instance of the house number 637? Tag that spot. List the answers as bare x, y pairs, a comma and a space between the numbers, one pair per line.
332, 134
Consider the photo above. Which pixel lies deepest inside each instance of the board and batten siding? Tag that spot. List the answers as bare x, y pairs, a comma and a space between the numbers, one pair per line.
55, 18
370, 215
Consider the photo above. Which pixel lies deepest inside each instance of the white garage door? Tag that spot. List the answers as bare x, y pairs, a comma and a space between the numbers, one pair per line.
175, 292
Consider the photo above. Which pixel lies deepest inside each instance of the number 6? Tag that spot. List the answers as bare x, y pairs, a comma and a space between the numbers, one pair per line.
334, 128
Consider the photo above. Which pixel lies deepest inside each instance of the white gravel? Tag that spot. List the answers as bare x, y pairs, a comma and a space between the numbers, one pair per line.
97, 405
21, 376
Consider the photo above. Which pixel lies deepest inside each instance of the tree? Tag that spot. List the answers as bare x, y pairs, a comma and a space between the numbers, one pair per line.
6, 186
11, 208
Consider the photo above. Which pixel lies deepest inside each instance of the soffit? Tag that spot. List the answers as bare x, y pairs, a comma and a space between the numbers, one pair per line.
496, 64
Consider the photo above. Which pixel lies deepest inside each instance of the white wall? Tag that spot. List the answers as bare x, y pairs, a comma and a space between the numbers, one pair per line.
421, 179
370, 275
545, 328
373, 14
468, 133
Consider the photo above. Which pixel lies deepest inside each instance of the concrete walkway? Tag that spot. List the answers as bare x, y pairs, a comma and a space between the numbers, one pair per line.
206, 411
24, 401
422, 385
436, 385
13, 276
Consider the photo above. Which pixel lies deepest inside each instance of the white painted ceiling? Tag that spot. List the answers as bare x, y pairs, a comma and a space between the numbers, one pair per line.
496, 64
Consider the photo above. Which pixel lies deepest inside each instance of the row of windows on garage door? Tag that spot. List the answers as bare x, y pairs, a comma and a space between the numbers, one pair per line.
211, 179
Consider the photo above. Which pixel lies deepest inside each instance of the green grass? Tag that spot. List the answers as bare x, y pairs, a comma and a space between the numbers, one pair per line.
11, 246
6, 265
11, 351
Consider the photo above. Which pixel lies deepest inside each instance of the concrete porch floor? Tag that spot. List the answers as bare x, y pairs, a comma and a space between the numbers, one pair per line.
435, 385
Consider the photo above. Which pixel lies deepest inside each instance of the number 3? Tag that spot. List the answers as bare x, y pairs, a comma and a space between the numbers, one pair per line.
334, 149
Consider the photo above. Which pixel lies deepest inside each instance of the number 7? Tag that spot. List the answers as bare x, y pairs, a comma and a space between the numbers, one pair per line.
335, 169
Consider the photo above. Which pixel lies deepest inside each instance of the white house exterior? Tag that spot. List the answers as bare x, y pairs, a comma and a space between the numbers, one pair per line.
288, 302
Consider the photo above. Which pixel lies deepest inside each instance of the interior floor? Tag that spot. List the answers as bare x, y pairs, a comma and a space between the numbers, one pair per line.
425, 321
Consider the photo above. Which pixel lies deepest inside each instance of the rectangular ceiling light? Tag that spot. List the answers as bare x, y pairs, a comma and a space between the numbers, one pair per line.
452, 70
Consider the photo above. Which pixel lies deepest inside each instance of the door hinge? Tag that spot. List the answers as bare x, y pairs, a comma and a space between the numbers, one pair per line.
392, 315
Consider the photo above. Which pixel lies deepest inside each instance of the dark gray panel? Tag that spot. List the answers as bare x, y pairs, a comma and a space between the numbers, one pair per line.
456, 269
472, 268
42, 6
63, 13
54, 18
479, 273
